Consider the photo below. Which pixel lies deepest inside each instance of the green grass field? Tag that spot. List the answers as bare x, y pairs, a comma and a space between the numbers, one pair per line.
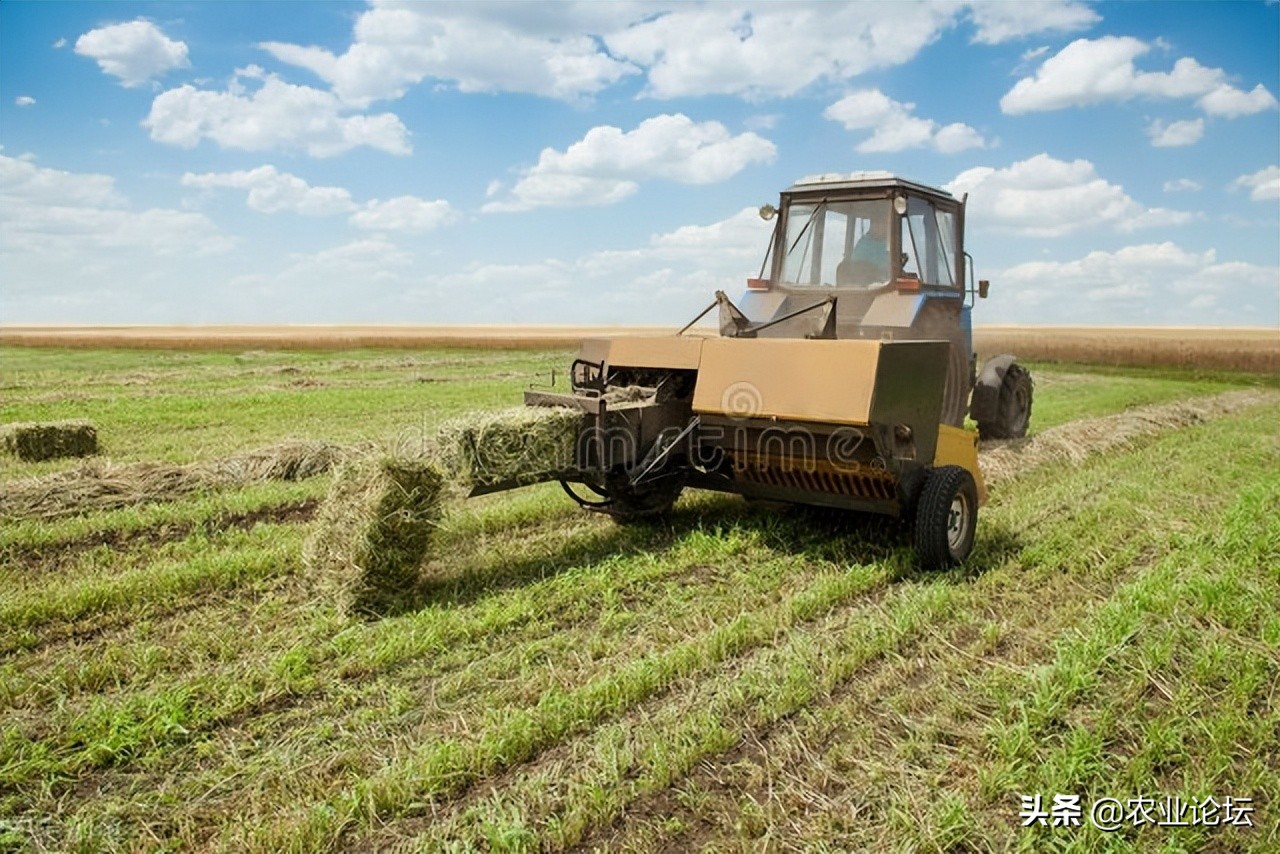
737, 678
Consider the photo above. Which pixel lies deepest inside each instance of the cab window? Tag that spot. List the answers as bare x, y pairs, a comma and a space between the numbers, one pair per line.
928, 243
836, 244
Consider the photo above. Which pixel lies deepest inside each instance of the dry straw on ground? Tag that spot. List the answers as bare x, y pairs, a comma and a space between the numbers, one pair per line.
35, 442
374, 530
1076, 440
103, 485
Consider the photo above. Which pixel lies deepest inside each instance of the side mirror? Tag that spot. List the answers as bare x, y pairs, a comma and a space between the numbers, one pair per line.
983, 287
768, 212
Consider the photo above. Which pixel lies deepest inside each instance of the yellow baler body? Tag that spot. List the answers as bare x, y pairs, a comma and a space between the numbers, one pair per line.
797, 381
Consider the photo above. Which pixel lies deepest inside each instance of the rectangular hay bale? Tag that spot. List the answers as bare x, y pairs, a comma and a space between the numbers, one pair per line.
35, 442
374, 530
520, 445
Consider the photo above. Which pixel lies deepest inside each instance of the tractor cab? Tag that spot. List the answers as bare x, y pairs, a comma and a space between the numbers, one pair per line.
877, 247
868, 255
866, 231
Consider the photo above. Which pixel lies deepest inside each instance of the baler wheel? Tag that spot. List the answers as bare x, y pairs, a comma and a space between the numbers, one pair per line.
629, 505
946, 518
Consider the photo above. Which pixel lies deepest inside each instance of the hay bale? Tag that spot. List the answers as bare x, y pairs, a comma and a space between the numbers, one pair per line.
373, 532
374, 529
521, 445
35, 442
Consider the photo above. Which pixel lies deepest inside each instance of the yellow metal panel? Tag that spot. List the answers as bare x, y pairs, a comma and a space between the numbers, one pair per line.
958, 447
791, 379
669, 351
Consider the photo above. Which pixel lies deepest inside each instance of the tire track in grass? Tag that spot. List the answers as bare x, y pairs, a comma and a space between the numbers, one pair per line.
504, 593
449, 766
559, 805
506, 804
928, 713
284, 738
1187, 699
114, 635
32, 619
332, 708
556, 802
37, 561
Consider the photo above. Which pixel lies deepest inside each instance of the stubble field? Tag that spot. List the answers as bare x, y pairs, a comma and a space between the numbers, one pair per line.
737, 678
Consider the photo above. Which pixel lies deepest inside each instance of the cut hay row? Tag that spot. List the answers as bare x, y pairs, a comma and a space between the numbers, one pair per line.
104, 485
1074, 441
375, 527
35, 442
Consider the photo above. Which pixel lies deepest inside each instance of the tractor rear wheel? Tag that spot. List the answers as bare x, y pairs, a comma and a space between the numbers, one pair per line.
1013, 408
946, 518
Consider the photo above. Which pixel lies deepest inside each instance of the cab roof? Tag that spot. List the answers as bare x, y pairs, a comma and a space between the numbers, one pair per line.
862, 181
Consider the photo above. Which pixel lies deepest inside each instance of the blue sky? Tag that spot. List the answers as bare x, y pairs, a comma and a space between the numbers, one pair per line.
602, 162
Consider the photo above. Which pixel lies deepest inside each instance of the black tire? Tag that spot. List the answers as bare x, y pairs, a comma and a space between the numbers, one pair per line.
632, 506
946, 518
1013, 407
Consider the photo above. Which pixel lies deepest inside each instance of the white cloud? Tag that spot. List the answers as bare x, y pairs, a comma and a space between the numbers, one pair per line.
59, 44
23, 182
773, 50
272, 191
277, 115
1088, 72
895, 128
572, 51
351, 266
361, 280
134, 52
66, 215
24, 101
1155, 283
1263, 185
1002, 22
1182, 185
478, 48
762, 121
668, 279
1046, 197
606, 164
1230, 102
1175, 134
403, 213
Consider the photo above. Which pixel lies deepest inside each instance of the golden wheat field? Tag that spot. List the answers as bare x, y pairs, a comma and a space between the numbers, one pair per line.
1245, 349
